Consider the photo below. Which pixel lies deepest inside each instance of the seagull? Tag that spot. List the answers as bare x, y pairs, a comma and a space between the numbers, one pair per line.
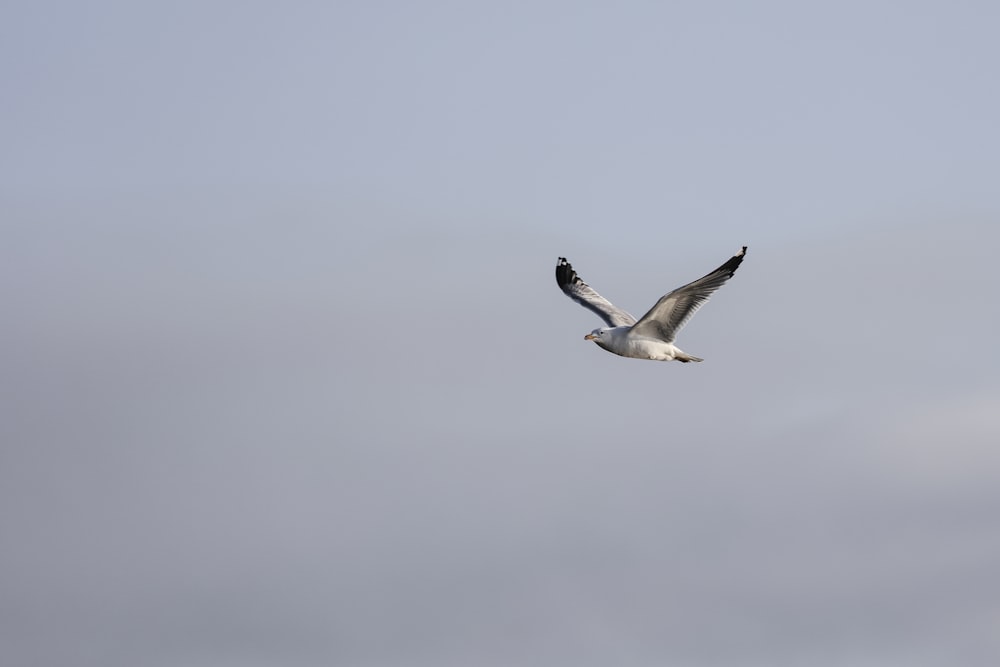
653, 335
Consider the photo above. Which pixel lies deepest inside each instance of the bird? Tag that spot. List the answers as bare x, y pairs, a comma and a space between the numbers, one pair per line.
652, 336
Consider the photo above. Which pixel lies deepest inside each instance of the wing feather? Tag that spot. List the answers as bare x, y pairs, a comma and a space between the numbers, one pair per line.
674, 309
586, 296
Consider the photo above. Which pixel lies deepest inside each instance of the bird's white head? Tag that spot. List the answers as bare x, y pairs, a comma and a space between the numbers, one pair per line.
595, 335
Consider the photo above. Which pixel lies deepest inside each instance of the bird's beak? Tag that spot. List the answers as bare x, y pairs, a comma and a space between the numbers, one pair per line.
589, 337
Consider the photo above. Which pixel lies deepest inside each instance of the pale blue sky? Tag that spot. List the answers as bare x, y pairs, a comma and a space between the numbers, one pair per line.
287, 380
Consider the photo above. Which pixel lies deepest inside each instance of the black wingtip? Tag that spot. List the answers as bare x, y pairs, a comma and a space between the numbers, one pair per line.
734, 262
564, 272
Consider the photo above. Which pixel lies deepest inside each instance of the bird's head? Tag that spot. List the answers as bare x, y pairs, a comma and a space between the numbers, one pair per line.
595, 335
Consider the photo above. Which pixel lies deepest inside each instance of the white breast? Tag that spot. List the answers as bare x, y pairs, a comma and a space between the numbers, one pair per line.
638, 347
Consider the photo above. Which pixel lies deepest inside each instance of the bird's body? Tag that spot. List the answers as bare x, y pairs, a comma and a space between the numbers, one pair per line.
620, 341
651, 336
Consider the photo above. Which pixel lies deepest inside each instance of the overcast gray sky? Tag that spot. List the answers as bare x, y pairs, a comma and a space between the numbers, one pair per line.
286, 379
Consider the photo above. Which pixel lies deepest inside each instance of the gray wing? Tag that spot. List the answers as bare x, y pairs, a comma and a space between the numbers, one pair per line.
673, 310
585, 295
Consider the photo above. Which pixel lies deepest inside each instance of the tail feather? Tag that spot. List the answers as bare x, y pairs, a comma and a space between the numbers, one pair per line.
684, 357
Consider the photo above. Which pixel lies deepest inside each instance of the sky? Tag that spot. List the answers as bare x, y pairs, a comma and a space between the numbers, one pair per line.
286, 378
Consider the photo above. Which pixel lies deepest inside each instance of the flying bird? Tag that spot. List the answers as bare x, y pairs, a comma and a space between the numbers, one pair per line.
653, 335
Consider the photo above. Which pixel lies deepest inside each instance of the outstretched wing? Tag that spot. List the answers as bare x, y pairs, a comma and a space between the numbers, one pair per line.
585, 295
673, 310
